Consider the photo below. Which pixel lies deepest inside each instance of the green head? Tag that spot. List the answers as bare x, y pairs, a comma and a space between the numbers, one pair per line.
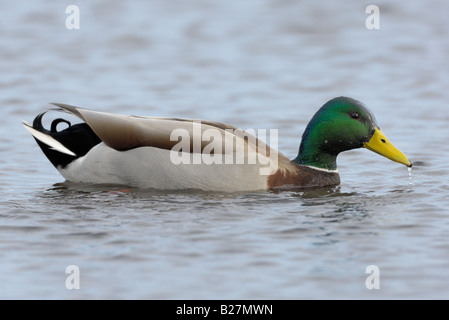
339, 125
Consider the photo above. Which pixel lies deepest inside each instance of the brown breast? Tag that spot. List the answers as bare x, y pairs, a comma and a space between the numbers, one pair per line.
293, 175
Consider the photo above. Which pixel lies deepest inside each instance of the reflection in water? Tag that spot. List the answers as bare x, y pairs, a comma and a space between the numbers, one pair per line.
321, 193
341, 205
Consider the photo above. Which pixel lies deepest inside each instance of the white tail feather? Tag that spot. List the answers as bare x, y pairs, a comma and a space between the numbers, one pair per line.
48, 140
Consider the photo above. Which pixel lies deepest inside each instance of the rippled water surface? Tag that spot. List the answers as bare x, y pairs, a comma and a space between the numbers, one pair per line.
252, 64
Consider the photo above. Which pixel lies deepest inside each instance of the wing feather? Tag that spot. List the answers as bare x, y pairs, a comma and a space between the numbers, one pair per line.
125, 132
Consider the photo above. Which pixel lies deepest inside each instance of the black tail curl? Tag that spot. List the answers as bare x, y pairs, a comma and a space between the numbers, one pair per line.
54, 124
78, 138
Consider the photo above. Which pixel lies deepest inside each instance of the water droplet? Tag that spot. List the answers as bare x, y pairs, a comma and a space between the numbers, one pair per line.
410, 182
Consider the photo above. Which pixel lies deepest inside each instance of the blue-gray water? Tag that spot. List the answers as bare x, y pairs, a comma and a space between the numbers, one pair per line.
252, 64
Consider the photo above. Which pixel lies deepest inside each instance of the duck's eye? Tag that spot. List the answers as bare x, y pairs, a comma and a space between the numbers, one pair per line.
355, 115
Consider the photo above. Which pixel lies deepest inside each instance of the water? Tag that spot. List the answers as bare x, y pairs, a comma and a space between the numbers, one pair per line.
253, 64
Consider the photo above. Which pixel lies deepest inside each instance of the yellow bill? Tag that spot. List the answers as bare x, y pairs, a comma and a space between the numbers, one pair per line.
380, 144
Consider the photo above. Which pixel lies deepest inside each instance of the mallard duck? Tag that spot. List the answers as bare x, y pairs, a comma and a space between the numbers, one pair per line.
169, 153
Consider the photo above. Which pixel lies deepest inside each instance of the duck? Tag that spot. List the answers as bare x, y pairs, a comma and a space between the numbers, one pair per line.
176, 154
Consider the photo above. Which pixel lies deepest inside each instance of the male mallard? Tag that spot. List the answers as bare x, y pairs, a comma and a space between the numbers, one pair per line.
163, 153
